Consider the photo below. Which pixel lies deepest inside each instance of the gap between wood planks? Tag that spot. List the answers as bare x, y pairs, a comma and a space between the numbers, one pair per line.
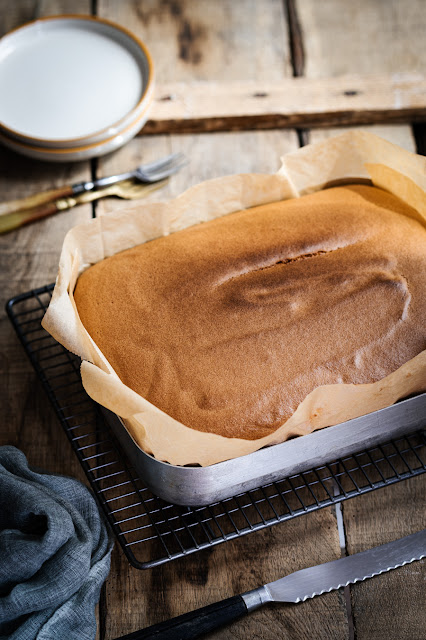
419, 133
338, 509
297, 54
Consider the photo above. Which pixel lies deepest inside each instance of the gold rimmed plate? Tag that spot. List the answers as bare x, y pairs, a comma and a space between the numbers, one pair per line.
77, 153
72, 81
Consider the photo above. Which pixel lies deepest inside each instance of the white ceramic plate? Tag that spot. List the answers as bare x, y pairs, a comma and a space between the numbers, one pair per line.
73, 154
71, 81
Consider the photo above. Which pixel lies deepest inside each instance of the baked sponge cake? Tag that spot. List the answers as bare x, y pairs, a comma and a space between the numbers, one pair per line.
228, 325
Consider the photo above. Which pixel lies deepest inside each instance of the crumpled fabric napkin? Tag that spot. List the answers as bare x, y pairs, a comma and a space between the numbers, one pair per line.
54, 554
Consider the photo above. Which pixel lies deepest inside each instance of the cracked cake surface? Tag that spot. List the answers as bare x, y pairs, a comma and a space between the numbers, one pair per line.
229, 324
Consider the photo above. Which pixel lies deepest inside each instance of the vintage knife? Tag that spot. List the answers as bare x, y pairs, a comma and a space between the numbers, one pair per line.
295, 587
128, 190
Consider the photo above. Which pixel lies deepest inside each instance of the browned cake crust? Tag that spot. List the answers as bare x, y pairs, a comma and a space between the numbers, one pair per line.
228, 325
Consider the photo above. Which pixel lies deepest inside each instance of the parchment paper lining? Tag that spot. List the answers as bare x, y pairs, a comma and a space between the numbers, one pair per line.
345, 158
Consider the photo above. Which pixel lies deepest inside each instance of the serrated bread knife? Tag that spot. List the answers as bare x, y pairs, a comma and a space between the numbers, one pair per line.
296, 587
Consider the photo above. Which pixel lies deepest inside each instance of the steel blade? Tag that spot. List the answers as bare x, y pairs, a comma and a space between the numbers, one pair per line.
307, 583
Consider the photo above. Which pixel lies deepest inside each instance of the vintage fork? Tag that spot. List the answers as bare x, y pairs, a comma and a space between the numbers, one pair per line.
145, 173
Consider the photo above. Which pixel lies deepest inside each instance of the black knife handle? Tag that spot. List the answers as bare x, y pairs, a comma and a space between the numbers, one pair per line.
195, 623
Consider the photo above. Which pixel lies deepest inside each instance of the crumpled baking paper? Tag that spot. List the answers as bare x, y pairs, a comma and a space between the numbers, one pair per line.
358, 157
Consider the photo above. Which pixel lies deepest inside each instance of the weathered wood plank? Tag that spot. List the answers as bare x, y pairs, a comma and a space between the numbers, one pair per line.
392, 606
294, 102
384, 37
30, 256
362, 38
29, 259
222, 41
138, 600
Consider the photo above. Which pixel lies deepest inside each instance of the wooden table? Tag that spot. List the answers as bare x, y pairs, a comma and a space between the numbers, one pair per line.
226, 42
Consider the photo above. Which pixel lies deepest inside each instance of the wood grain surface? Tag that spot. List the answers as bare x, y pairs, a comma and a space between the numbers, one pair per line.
296, 102
29, 259
221, 41
367, 36
392, 607
229, 42
362, 38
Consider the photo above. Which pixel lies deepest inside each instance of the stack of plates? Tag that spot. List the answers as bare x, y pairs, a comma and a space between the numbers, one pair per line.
72, 88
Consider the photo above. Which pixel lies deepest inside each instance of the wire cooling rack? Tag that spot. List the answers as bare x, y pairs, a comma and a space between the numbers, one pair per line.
151, 531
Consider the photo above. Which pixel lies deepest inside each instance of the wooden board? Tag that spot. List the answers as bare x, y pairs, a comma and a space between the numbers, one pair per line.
215, 92
29, 259
135, 600
295, 102
364, 37
198, 40
361, 38
392, 607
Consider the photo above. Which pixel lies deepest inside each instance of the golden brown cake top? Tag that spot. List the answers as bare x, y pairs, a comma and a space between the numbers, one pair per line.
228, 325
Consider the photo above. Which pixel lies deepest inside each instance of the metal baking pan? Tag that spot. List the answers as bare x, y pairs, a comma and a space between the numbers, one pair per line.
198, 486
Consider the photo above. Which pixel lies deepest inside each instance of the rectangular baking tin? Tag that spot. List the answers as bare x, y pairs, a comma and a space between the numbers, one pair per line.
198, 486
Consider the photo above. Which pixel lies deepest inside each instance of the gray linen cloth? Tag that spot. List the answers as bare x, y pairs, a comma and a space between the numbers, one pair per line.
54, 554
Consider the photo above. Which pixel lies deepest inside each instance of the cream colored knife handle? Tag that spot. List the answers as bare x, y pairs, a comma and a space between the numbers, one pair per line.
23, 204
17, 219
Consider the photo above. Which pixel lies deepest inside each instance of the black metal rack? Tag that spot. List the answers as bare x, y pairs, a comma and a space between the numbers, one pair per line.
151, 531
